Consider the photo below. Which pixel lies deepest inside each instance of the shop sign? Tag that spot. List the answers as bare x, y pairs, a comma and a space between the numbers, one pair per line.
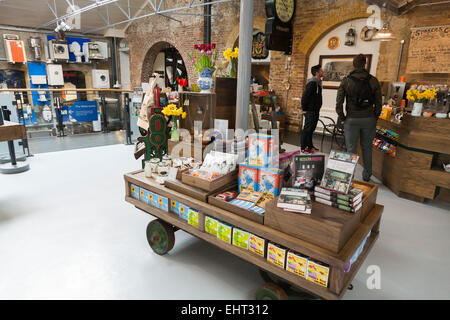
84, 111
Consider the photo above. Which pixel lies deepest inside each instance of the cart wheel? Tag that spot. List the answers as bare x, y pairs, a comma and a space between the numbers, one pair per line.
160, 236
350, 287
267, 277
270, 291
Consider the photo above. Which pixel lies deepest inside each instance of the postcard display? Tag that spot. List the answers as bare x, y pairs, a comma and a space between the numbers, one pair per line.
259, 183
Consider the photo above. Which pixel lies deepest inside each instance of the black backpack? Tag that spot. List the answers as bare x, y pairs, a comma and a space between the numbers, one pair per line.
362, 97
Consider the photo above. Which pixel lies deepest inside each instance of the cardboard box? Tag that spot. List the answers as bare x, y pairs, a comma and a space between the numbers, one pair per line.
261, 150
163, 203
210, 186
240, 238
276, 255
193, 218
297, 264
135, 190
152, 199
318, 273
257, 245
211, 225
270, 182
224, 232
184, 211
248, 177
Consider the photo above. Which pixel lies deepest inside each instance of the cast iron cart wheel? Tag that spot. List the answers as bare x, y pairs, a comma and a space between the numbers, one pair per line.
290, 290
270, 291
160, 236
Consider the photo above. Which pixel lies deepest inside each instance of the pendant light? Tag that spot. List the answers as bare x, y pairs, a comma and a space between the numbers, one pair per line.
385, 33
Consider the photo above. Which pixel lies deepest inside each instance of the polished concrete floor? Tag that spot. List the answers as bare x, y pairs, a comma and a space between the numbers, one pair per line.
67, 233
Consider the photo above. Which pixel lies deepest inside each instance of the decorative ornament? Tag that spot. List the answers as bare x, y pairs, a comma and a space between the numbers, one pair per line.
333, 43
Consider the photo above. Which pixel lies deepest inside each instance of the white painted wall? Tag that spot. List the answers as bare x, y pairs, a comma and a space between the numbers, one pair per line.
364, 47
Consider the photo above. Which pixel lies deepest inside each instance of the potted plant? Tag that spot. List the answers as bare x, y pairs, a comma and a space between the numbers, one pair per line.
172, 111
204, 60
419, 97
232, 56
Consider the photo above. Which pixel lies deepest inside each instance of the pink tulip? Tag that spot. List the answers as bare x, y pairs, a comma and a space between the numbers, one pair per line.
202, 52
208, 53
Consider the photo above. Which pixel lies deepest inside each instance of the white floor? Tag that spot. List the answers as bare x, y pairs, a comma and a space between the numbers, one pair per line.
67, 233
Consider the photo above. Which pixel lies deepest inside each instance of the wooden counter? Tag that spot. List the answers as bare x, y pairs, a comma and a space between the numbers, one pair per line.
416, 173
12, 131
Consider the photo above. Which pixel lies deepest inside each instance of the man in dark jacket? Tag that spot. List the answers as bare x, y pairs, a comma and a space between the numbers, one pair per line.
311, 104
362, 93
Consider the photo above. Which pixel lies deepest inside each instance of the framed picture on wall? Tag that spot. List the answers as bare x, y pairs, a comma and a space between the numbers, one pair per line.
336, 67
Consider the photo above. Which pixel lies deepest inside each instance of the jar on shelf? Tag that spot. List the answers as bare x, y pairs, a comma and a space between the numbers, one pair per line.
167, 159
148, 169
154, 164
163, 168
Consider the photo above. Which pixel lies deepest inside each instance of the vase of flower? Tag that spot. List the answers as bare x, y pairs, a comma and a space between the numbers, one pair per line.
417, 109
205, 80
174, 132
204, 61
232, 56
172, 111
419, 96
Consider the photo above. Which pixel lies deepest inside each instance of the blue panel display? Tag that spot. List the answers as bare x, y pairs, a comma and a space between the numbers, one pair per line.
84, 111
38, 69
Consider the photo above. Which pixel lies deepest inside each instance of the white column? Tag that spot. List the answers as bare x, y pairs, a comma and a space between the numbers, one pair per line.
245, 64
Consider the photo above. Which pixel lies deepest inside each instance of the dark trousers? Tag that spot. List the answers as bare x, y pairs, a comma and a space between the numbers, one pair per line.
365, 130
311, 119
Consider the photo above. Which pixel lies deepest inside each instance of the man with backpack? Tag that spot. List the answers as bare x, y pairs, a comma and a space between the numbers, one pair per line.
362, 93
311, 104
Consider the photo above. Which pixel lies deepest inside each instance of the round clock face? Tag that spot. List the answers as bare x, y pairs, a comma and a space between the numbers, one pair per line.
285, 9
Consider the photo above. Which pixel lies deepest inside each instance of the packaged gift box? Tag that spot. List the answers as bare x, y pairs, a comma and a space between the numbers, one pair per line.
261, 150
135, 191
211, 225
257, 245
248, 177
276, 255
317, 273
224, 232
240, 238
297, 264
193, 218
163, 203
269, 182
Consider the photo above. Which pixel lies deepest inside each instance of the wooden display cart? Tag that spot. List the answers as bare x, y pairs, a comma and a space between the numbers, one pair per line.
160, 235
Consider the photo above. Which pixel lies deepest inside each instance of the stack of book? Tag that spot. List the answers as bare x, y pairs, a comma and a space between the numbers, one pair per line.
295, 200
350, 202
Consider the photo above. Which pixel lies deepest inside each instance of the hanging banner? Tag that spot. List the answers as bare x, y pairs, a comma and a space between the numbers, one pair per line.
84, 111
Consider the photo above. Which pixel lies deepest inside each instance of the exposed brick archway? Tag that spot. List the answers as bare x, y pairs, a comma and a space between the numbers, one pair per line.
150, 57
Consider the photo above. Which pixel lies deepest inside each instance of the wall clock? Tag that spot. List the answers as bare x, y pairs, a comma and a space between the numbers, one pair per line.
282, 10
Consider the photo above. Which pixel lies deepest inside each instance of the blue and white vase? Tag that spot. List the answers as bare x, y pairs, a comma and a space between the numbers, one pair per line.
205, 80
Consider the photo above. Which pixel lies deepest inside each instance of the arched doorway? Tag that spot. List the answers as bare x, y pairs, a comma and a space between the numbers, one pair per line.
164, 58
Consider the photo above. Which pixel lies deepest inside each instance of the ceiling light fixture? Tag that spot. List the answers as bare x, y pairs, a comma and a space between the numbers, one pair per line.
385, 33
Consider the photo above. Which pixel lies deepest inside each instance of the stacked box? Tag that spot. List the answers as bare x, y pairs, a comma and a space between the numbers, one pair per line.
152, 199
276, 255
248, 177
224, 232
297, 264
317, 273
193, 218
163, 203
270, 182
261, 150
135, 190
211, 225
257, 245
240, 238
183, 211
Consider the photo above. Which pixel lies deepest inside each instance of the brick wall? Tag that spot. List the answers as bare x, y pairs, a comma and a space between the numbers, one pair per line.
313, 20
